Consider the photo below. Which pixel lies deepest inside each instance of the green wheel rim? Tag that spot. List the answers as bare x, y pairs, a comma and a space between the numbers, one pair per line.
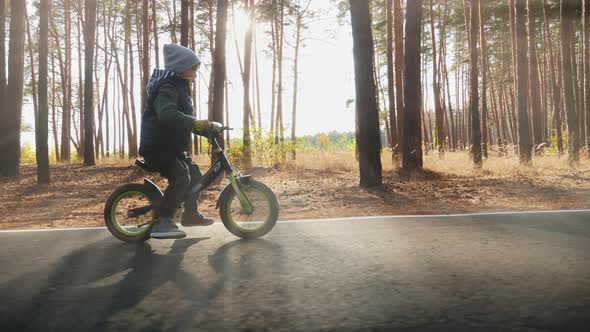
143, 230
249, 230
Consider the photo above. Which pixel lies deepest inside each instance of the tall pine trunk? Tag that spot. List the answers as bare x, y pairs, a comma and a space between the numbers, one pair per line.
184, 22
219, 66
368, 132
474, 86
2, 53
484, 79
438, 110
42, 121
586, 64
391, 80
89, 31
522, 83
411, 135
568, 12
535, 90
556, 98
155, 28
247, 152
67, 87
145, 61
280, 128
11, 110
398, 27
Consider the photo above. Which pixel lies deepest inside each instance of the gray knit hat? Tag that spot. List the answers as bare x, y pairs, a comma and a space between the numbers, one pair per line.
179, 58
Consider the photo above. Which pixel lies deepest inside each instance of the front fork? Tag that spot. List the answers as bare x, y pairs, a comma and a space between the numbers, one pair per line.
244, 200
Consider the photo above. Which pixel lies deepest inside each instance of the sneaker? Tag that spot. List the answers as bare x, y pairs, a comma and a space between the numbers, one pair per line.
195, 219
166, 229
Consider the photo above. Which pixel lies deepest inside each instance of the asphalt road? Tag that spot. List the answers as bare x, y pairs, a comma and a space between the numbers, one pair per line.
517, 272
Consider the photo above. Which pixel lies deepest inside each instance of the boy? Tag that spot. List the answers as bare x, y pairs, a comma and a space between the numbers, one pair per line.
166, 128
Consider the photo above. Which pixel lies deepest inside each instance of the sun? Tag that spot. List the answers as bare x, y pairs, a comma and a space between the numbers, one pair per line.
242, 19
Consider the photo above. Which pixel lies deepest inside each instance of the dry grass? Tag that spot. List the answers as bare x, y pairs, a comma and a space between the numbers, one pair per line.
317, 185
452, 164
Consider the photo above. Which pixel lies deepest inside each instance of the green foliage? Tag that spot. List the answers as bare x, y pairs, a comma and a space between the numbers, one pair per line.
552, 148
323, 142
346, 143
265, 149
27, 155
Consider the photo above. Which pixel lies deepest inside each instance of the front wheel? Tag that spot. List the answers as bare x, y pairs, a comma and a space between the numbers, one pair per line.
259, 221
129, 212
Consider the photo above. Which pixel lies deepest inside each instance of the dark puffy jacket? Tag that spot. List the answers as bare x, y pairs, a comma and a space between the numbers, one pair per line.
168, 120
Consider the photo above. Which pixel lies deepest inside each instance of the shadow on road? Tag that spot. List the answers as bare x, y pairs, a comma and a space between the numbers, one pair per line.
110, 285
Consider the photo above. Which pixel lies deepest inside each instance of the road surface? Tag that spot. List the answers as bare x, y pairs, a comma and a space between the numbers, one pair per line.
498, 272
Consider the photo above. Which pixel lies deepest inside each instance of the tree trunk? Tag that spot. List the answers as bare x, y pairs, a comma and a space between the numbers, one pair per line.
522, 87
258, 107
568, 12
368, 131
133, 132
174, 22
247, 152
398, 27
556, 98
535, 91
438, 110
53, 108
184, 22
194, 147
484, 79
586, 64
411, 135
2, 54
42, 120
80, 137
280, 128
474, 98
235, 34
390, 81
274, 75
67, 87
155, 27
145, 63
226, 95
89, 31
32, 65
219, 67
12, 107
212, 50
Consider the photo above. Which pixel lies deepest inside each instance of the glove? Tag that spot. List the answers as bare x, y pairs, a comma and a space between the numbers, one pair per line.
208, 126
215, 127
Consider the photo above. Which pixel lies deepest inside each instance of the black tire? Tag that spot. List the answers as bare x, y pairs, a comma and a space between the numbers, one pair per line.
111, 219
228, 195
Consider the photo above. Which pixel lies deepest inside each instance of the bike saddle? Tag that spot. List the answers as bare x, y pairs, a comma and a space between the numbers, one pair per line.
145, 166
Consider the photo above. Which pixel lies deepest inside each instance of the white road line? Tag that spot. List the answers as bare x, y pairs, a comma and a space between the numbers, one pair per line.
365, 218
409, 216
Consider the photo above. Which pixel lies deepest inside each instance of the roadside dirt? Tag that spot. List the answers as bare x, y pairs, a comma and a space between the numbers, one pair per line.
76, 197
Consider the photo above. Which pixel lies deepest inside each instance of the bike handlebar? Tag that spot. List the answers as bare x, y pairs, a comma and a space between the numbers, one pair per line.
210, 134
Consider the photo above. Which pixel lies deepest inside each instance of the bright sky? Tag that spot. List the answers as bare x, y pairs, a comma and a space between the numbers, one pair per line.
326, 78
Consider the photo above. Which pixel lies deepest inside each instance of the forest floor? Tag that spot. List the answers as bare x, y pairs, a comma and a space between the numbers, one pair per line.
318, 185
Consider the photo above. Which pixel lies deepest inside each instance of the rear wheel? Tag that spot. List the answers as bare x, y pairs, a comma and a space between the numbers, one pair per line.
129, 213
249, 225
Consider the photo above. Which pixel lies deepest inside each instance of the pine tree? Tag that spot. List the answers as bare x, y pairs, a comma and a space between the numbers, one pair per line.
368, 132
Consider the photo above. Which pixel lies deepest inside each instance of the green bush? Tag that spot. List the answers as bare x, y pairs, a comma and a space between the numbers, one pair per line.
27, 155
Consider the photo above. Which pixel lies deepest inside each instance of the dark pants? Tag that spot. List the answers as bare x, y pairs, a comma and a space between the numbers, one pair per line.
182, 175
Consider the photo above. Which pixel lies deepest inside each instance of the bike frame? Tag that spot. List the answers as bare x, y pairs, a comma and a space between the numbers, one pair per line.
221, 165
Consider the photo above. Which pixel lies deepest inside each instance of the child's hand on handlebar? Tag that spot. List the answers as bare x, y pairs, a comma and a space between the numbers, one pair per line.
208, 126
